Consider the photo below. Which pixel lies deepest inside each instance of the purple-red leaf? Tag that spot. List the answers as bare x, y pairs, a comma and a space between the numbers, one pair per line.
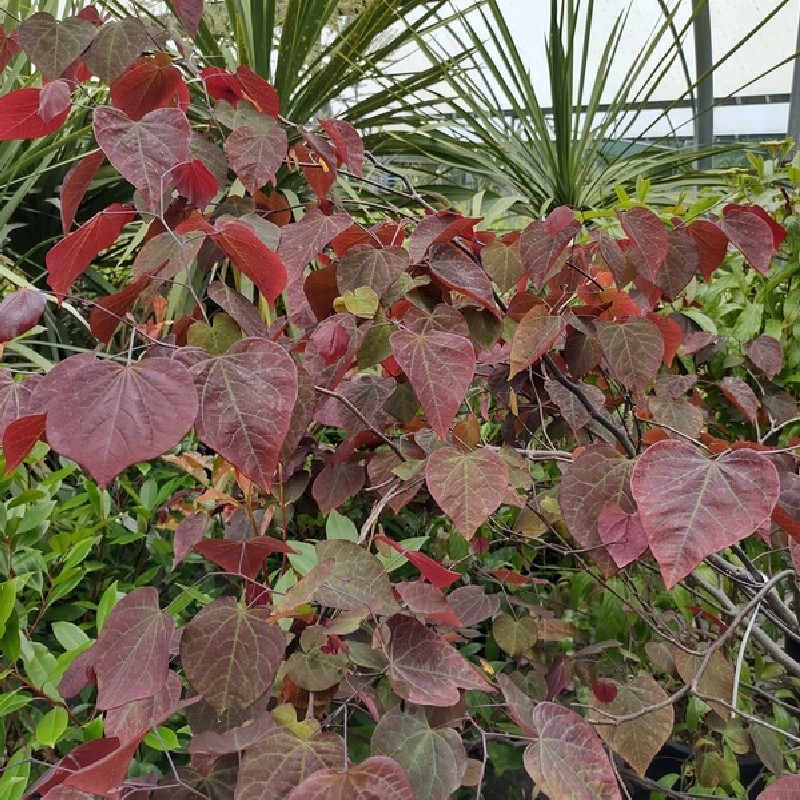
246, 400
443, 226
622, 534
336, 484
75, 184
132, 652
256, 154
742, 396
377, 268
19, 312
250, 255
241, 556
261, 93
787, 788
20, 437
281, 761
468, 486
189, 13
680, 264
151, 83
230, 655
109, 311
303, 241
20, 116
750, 234
440, 367
239, 308
377, 778
53, 45
195, 182
766, 353
54, 100
424, 668
116, 46
188, 533
599, 477
712, 245
502, 264
536, 333
567, 759
131, 721
144, 152
108, 416
348, 144
691, 506
633, 349
542, 244
456, 270
646, 230
75, 252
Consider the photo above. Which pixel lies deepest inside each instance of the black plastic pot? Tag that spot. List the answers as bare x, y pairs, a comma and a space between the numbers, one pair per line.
672, 757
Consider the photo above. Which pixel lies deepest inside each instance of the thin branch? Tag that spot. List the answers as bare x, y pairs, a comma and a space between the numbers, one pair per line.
350, 407
619, 433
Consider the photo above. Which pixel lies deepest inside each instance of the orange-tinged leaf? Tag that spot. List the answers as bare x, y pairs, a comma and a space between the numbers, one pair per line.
348, 144
534, 336
151, 82
633, 349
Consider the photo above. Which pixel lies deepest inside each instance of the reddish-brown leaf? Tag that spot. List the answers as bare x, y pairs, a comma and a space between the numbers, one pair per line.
110, 310
52, 45
750, 234
261, 93
766, 353
256, 154
189, 532
303, 241
377, 268
742, 396
14, 399
75, 184
166, 254
241, 557
472, 604
189, 13
633, 349
152, 82
424, 668
348, 144
599, 477
534, 336
691, 506
567, 758
131, 721
281, 761
19, 312
778, 231
195, 182
441, 318
787, 788
144, 152
71, 256
679, 265
336, 484
240, 308
132, 651
246, 399
426, 600
9, 47
647, 232
377, 778
440, 367
231, 655
20, 437
20, 116
712, 245
542, 244
678, 413
468, 486
622, 534
443, 226
108, 416
456, 270
250, 255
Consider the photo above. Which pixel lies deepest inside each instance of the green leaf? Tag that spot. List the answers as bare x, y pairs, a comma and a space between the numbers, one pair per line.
107, 602
8, 595
51, 726
15, 775
515, 636
13, 701
215, 338
337, 526
69, 636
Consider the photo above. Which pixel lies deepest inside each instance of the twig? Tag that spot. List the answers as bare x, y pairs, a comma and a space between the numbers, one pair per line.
619, 433
412, 190
345, 402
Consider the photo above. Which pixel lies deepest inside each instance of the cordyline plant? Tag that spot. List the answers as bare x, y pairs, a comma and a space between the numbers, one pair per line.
401, 367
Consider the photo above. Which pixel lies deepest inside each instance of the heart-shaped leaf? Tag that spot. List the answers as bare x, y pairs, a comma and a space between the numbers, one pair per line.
303, 241
377, 778
454, 269
231, 655
144, 152
336, 484
54, 100
189, 12
440, 367
424, 668
599, 477
648, 233
110, 311
256, 154
742, 396
622, 534
348, 144
750, 235
195, 181
534, 336
515, 636
246, 400
468, 486
53, 45
542, 243
634, 350
435, 760
131, 656
766, 353
132, 721
115, 47
787, 788
261, 93
712, 245
639, 740
151, 82
108, 416
680, 264
281, 761
567, 759
188, 533
691, 506
19, 312
502, 264
443, 226
377, 268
